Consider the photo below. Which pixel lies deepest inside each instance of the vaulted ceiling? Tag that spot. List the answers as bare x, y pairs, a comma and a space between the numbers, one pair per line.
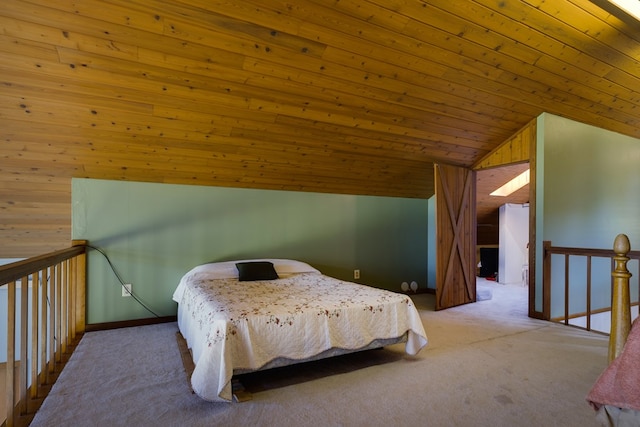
352, 97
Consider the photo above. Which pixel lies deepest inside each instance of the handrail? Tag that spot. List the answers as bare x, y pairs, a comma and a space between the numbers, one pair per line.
605, 253
50, 306
19, 269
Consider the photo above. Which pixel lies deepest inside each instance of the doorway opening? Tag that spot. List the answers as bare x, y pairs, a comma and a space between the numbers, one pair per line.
502, 233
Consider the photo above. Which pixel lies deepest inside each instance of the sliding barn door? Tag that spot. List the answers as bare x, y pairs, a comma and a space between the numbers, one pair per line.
455, 236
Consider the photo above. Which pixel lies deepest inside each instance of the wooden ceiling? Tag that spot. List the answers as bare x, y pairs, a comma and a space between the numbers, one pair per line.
350, 97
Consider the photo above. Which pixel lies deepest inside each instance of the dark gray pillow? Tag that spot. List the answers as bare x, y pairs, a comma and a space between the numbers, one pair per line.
256, 270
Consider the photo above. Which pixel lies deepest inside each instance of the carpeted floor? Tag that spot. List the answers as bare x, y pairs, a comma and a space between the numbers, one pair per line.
487, 364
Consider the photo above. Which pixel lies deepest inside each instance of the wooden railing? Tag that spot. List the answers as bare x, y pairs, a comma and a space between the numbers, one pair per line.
46, 297
618, 256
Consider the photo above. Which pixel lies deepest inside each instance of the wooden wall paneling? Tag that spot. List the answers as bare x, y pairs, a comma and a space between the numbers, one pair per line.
313, 96
516, 149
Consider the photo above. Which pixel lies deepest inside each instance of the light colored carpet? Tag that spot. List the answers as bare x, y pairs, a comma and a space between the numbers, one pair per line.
487, 364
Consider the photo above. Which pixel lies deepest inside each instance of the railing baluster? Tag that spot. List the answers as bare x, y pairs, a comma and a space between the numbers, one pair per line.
64, 286
52, 323
566, 289
72, 297
24, 350
35, 324
546, 280
11, 352
588, 292
44, 310
58, 316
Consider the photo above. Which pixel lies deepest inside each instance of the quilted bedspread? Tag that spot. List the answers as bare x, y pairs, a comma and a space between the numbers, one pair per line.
619, 385
232, 325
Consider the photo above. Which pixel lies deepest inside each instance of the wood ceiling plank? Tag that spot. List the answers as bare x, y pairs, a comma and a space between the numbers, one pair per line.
252, 173
226, 11
55, 36
356, 147
425, 95
123, 156
559, 80
536, 93
57, 134
361, 121
511, 56
69, 115
567, 40
29, 96
27, 220
588, 28
92, 64
47, 13
289, 165
339, 37
144, 19
371, 13
517, 29
410, 143
29, 48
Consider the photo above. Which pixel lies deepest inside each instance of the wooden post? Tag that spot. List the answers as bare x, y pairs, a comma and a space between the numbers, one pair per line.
620, 301
546, 280
79, 290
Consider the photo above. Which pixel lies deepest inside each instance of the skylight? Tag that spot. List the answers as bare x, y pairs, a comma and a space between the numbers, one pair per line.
632, 7
515, 184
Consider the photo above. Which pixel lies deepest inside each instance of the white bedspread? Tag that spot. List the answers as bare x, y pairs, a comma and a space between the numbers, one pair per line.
230, 324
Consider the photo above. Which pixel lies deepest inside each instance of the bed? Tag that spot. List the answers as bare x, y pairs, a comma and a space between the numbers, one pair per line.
248, 315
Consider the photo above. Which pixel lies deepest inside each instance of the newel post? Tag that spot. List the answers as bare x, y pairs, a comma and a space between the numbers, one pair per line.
620, 301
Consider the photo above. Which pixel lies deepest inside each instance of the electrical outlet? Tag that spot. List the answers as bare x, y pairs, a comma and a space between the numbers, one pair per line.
356, 274
126, 290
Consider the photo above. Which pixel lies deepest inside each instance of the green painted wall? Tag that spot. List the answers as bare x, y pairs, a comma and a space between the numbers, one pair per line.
589, 195
154, 233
